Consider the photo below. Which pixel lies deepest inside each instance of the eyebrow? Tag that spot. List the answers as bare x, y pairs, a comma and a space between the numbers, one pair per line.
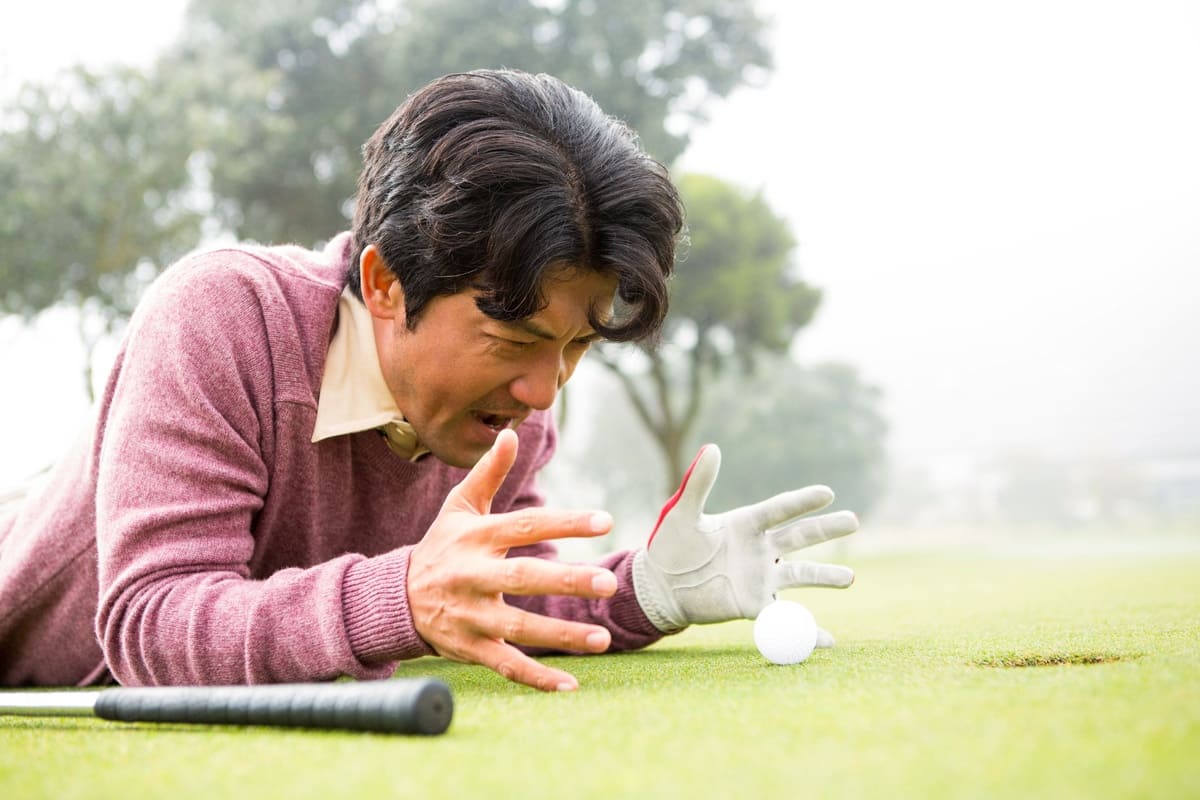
533, 329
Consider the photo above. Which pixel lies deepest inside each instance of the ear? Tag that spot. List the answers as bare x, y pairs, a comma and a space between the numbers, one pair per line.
380, 287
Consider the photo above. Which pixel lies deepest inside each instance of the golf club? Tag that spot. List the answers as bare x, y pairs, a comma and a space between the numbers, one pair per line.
402, 705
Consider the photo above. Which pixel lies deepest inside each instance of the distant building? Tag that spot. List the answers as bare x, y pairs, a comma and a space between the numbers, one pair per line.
1029, 488
1173, 483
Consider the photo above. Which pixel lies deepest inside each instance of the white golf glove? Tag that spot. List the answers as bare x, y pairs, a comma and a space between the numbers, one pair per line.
699, 567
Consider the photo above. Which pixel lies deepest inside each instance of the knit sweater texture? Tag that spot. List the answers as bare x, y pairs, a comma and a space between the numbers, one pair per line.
197, 536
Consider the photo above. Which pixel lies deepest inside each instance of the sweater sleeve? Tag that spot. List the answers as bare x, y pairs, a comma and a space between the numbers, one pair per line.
188, 429
621, 613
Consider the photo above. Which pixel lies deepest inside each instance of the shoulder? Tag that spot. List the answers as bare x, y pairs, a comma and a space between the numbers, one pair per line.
246, 309
279, 293
217, 276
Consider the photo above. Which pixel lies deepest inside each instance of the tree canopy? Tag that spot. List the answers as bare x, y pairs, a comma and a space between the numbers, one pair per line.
252, 122
96, 181
317, 77
97, 192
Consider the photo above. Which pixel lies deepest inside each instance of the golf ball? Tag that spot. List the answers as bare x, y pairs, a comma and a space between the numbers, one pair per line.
785, 632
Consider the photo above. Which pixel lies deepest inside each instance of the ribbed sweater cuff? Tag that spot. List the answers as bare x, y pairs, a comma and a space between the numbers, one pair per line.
624, 607
378, 620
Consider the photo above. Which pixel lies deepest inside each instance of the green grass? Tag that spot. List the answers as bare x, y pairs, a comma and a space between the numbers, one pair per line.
954, 676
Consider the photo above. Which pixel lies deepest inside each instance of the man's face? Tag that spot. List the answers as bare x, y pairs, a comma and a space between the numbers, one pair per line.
460, 377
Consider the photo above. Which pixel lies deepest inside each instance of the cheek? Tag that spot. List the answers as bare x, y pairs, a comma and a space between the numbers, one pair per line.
483, 377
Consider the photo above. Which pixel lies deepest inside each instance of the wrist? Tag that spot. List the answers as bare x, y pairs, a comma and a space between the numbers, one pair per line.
654, 596
376, 612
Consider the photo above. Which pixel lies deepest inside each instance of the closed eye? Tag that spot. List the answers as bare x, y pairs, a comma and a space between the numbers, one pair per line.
518, 344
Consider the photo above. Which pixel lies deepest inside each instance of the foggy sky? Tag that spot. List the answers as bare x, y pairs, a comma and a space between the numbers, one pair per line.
1002, 204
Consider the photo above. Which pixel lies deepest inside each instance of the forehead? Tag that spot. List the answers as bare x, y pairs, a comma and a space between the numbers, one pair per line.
569, 296
573, 291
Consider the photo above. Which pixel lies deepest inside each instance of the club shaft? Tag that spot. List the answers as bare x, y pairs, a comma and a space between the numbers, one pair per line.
411, 705
48, 704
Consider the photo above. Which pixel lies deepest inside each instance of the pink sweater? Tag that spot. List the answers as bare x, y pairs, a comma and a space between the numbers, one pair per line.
197, 536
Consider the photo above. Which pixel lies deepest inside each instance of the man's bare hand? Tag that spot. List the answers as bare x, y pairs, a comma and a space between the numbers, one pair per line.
458, 573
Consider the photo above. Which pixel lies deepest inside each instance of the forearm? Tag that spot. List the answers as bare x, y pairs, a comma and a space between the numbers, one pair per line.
344, 617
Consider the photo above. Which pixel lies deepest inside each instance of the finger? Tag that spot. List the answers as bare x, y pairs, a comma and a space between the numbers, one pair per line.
535, 576
824, 638
537, 524
484, 480
514, 665
790, 574
693, 491
517, 626
812, 530
696, 484
699, 479
787, 506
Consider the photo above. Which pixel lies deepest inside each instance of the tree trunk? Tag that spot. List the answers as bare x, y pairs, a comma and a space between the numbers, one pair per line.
89, 343
561, 417
657, 406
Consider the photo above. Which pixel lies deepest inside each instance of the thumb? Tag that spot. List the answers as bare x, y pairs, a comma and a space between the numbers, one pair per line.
689, 499
698, 482
476, 491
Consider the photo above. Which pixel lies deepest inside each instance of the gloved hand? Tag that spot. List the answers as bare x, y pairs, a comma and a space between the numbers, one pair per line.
700, 567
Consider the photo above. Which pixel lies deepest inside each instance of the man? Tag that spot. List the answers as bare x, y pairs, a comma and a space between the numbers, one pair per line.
313, 464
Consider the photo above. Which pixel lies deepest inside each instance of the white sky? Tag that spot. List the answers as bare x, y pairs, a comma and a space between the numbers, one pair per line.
1001, 202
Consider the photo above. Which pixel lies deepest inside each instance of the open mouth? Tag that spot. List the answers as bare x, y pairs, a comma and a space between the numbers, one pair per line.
496, 422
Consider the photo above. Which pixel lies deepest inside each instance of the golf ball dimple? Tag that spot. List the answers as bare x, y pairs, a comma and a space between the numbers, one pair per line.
785, 632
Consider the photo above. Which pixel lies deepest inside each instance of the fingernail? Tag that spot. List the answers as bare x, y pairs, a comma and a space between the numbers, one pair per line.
604, 583
597, 640
600, 521
566, 687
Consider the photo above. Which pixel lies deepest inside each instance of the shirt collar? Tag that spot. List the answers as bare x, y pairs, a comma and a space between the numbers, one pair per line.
354, 396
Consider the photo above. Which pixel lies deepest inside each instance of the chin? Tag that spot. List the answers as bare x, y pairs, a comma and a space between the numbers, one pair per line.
463, 456
462, 445
462, 462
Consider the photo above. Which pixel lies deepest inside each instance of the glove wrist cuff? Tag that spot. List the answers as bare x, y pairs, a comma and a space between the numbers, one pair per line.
650, 593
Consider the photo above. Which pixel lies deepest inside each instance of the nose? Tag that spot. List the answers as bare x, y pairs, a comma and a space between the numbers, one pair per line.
538, 385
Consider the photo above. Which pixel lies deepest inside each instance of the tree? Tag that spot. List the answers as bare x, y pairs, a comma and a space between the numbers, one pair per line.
789, 426
781, 427
329, 71
267, 104
737, 295
97, 196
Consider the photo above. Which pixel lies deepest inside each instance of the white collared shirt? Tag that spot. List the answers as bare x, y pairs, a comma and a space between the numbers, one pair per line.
354, 396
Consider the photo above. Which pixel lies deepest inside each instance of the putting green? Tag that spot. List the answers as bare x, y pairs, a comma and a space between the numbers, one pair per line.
954, 676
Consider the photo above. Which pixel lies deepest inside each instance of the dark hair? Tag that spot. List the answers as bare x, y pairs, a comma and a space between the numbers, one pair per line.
490, 179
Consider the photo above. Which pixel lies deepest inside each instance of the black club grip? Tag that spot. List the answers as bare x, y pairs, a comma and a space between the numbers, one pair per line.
401, 705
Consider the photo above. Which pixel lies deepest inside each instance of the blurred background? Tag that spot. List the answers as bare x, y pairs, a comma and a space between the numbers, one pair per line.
943, 256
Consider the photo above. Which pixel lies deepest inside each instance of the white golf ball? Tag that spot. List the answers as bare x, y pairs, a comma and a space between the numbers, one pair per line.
785, 632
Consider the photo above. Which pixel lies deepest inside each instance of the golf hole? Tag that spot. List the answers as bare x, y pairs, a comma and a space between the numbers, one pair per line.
1019, 660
